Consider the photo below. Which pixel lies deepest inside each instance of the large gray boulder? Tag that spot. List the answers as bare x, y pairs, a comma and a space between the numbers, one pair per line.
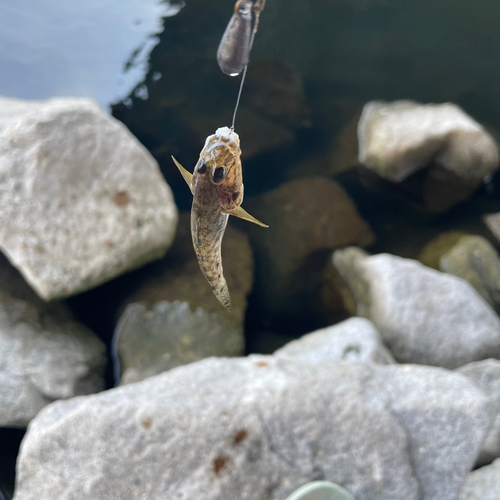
259, 427
486, 375
355, 340
44, 353
424, 316
81, 200
397, 139
483, 483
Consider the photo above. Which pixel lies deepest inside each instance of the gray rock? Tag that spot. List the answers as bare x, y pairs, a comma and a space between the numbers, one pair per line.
355, 339
81, 199
309, 218
424, 316
470, 257
445, 417
486, 375
170, 334
398, 138
173, 317
483, 483
44, 353
493, 223
260, 427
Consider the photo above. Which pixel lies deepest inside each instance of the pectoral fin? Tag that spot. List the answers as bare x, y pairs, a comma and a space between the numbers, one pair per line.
187, 176
242, 214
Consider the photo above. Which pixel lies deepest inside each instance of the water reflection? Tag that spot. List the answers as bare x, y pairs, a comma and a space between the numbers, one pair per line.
95, 48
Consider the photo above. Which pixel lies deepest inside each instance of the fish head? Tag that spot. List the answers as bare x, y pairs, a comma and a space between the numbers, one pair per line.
219, 168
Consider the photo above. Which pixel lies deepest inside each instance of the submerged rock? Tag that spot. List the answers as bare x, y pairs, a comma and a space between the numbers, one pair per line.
470, 257
170, 334
483, 483
400, 138
493, 223
259, 427
486, 375
308, 218
44, 353
355, 339
424, 316
81, 199
173, 317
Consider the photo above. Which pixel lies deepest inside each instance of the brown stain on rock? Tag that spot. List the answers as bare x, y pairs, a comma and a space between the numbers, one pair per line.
261, 363
146, 423
219, 464
240, 436
121, 199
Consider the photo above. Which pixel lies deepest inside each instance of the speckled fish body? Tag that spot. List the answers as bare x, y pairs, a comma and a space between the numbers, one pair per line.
217, 187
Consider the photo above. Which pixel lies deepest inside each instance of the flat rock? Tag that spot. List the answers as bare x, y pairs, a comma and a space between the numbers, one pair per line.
173, 317
397, 139
483, 483
308, 218
486, 375
424, 316
470, 257
260, 427
81, 199
44, 353
355, 339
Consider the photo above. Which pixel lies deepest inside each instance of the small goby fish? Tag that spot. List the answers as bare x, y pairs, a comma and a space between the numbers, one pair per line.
217, 188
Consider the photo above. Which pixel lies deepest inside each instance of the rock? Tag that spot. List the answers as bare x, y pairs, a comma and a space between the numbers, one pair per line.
173, 317
470, 257
308, 218
486, 375
444, 433
424, 316
493, 223
260, 427
355, 339
44, 353
483, 483
81, 199
400, 138
344, 151
169, 335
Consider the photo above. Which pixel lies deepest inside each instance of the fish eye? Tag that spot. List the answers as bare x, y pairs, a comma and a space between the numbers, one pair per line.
202, 168
219, 175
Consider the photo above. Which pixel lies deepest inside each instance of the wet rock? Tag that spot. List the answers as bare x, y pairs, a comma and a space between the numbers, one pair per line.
258, 428
308, 218
171, 334
469, 257
44, 353
483, 483
174, 317
486, 375
81, 199
344, 153
424, 316
400, 138
493, 223
355, 339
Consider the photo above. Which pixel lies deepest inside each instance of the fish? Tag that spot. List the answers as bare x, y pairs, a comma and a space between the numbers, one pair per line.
217, 188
